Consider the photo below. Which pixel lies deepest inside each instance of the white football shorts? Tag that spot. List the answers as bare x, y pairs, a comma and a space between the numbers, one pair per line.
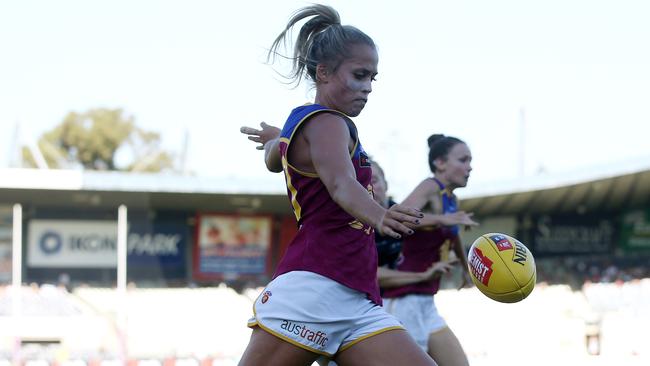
318, 314
418, 314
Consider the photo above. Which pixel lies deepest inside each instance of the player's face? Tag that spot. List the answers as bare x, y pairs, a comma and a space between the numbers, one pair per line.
379, 186
457, 167
347, 88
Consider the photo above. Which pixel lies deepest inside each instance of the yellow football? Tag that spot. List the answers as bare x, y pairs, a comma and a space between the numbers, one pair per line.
502, 267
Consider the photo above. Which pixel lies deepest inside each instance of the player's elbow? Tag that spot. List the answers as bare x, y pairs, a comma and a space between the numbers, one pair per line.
275, 168
388, 282
272, 158
273, 163
383, 278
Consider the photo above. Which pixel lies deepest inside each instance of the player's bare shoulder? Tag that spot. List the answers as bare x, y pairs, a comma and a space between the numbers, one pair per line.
329, 126
431, 186
423, 195
434, 202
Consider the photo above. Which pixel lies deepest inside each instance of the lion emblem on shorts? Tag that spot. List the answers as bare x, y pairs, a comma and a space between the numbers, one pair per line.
266, 296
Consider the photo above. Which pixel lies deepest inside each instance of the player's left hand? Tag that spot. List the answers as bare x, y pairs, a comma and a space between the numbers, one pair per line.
458, 218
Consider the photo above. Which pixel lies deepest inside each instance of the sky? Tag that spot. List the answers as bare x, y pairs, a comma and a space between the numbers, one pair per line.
533, 87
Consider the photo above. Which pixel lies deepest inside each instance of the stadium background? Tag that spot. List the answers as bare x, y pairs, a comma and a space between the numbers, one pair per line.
199, 249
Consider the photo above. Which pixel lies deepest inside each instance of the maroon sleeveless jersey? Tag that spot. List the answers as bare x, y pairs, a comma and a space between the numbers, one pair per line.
420, 251
425, 247
329, 241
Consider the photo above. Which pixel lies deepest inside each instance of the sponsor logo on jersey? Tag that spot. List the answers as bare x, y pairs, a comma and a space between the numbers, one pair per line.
502, 242
521, 254
266, 296
358, 225
364, 161
301, 330
480, 265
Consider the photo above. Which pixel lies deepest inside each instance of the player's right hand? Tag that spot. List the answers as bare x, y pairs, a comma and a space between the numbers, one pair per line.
399, 220
458, 218
266, 134
439, 268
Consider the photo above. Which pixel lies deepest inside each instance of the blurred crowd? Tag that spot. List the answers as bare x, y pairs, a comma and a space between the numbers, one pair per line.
578, 271
606, 299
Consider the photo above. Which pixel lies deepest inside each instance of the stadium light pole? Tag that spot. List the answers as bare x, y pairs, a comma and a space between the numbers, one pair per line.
17, 278
122, 223
121, 248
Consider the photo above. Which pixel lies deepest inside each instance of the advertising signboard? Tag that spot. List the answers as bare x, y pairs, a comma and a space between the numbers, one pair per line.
93, 244
231, 245
572, 235
635, 230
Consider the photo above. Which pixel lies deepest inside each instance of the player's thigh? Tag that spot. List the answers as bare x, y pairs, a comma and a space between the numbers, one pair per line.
269, 350
445, 348
390, 348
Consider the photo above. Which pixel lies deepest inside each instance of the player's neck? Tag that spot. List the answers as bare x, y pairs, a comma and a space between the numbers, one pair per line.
446, 184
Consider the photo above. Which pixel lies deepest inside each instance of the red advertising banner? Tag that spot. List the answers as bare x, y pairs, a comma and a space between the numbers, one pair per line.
228, 246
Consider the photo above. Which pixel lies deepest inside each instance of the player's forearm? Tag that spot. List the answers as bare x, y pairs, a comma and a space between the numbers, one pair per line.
392, 278
272, 156
460, 253
356, 201
431, 220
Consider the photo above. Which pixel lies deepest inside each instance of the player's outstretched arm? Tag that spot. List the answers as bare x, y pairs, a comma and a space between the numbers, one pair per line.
328, 137
393, 278
459, 251
269, 139
421, 196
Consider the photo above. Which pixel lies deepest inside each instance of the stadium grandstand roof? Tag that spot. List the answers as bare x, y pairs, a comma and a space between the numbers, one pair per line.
605, 188
77, 188
609, 187
91, 180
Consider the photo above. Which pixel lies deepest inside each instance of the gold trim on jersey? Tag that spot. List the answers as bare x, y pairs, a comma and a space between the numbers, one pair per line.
306, 174
444, 250
297, 209
305, 118
356, 224
446, 191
